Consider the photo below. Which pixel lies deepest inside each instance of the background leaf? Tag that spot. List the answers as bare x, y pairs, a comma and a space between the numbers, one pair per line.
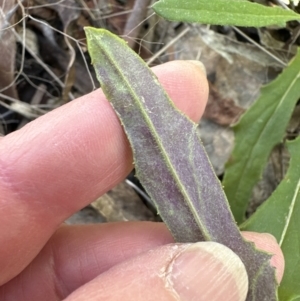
170, 160
259, 130
280, 216
223, 12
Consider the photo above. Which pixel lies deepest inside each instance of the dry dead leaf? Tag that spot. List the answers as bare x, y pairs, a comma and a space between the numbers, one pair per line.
68, 12
119, 15
133, 23
294, 124
122, 204
221, 110
55, 55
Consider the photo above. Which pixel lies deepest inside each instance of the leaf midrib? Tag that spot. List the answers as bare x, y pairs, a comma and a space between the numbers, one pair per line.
265, 16
291, 209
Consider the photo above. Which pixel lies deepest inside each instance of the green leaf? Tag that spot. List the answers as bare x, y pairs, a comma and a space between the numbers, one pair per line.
170, 160
280, 216
223, 12
259, 130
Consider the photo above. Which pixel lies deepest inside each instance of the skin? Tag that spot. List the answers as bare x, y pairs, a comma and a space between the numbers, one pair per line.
60, 163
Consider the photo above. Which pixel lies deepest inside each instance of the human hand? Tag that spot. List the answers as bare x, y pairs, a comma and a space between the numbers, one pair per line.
64, 160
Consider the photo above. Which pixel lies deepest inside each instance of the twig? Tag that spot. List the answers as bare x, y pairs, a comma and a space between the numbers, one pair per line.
77, 43
37, 87
137, 16
46, 68
35, 100
115, 14
23, 42
142, 193
161, 51
22, 108
260, 47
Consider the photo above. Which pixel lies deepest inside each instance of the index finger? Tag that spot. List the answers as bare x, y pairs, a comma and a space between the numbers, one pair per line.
66, 159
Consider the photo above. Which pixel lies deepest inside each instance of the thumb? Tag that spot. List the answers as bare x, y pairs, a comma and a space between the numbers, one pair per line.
178, 272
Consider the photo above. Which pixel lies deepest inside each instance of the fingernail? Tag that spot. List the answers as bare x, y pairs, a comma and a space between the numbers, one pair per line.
208, 271
198, 64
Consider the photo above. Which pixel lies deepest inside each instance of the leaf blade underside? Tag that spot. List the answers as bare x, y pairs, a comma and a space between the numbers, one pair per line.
170, 160
223, 12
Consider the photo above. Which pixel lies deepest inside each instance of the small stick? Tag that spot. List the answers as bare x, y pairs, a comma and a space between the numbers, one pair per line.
161, 51
137, 16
